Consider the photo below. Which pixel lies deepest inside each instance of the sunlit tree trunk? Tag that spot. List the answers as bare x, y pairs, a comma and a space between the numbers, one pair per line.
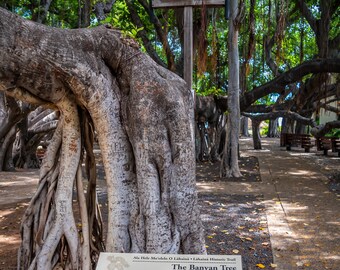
144, 120
229, 166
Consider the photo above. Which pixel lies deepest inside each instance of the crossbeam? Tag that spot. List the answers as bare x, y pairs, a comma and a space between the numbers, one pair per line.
186, 3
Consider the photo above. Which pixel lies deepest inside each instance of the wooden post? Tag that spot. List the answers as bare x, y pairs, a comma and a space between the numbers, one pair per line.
188, 38
188, 46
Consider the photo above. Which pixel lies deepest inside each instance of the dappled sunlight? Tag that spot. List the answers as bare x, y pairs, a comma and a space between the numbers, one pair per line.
299, 227
9, 240
6, 212
301, 172
261, 150
333, 223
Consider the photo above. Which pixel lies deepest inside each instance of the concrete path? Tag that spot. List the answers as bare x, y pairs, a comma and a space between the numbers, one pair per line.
303, 215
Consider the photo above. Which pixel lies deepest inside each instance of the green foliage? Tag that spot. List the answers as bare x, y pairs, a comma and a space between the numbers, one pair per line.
211, 91
334, 133
297, 45
264, 128
120, 18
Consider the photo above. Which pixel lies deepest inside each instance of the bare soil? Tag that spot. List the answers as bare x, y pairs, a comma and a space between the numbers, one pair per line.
234, 224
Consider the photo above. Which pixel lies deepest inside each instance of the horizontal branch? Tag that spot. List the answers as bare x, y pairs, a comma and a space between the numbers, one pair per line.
287, 114
295, 74
323, 129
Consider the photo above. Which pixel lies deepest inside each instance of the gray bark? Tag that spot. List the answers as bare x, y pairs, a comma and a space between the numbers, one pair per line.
273, 131
256, 134
229, 164
143, 116
244, 126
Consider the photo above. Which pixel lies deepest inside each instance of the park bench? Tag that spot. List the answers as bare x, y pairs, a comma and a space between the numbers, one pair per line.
328, 143
336, 145
324, 144
298, 140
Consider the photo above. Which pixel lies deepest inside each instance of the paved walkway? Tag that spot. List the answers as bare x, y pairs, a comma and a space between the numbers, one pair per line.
303, 215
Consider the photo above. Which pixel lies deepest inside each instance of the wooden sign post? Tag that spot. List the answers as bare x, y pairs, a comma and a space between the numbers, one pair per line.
188, 5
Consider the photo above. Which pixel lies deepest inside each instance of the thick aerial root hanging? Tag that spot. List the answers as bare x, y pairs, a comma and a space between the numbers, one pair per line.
64, 224
94, 213
40, 205
119, 165
50, 216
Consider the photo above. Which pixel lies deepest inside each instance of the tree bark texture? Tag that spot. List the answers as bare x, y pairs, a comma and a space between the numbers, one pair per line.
229, 166
273, 131
256, 134
143, 116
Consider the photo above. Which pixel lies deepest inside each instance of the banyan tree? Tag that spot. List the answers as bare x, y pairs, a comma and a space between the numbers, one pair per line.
142, 115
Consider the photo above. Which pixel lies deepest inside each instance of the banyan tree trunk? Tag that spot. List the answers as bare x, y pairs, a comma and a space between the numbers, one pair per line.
144, 121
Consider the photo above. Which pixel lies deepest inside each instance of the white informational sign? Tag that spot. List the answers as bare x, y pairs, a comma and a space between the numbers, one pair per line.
130, 261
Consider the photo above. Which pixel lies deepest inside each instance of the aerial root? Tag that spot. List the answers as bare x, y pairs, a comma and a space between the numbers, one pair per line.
64, 223
85, 247
49, 216
40, 207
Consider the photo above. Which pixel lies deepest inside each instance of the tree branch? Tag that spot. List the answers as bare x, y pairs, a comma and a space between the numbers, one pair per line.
295, 74
101, 8
322, 130
287, 114
307, 14
161, 35
143, 34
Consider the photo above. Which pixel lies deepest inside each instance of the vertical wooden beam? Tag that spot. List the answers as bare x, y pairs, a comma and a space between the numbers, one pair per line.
188, 46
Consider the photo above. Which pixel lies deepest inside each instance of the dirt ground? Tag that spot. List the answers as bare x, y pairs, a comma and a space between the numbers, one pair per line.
235, 222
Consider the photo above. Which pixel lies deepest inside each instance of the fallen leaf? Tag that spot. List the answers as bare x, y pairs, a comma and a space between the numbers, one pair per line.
236, 251
241, 227
260, 265
306, 264
265, 244
210, 236
249, 239
251, 230
273, 265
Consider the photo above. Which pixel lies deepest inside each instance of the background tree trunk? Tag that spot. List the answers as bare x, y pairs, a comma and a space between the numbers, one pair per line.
273, 131
256, 134
244, 126
229, 165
